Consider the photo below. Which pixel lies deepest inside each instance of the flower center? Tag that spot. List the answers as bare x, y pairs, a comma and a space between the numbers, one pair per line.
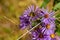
41, 35
48, 26
46, 15
52, 35
32, 14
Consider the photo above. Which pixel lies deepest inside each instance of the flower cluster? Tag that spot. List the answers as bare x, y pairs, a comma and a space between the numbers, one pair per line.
30, 15
46, 30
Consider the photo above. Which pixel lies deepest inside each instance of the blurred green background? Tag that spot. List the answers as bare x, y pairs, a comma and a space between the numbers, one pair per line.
10, 10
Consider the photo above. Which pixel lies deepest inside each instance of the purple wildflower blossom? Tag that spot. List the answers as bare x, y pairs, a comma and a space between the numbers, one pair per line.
31, 14
44, 34
48, 19
33, 11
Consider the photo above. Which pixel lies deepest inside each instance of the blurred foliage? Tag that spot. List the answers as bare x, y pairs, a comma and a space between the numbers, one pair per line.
45, 3
56, 1
56, 7
57, 23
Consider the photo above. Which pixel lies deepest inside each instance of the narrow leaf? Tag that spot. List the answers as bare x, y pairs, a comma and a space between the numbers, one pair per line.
45, 3
57, 7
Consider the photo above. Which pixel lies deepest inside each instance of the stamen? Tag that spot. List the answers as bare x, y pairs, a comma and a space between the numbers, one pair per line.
48, 26
52, 35
46, 15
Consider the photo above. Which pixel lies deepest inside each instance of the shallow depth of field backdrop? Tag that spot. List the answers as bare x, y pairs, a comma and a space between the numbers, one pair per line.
10, 10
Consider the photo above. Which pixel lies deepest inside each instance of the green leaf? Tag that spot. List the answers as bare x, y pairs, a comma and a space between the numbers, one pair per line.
56, 1
58, 33
57, 15
34, 23
45, 3
57, 22
56, 7
58, 29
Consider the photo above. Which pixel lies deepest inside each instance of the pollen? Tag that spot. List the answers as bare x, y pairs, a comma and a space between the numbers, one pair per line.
48, 26
46, 16
52, 35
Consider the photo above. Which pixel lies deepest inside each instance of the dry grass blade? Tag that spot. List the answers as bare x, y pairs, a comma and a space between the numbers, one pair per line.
28, 31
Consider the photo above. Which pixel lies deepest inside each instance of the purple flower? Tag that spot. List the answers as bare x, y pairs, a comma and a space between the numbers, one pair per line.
29, 15
44, 34
24, 21
48, 25
48, 17
33, 11
47, 20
